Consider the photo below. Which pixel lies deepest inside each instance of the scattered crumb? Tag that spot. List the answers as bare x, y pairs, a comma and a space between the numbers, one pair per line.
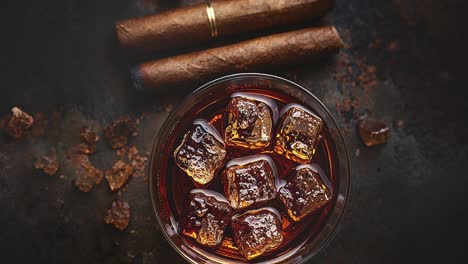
3, 121
147, 258
357, 153
356, 74
40, 125
367, 77
86, 174
400, 123
394, 45
85, 149
18, 124
62, 177
169, 108
140, 118
131, 256
88, 136
348, 109
137, 161
359, 78
118, 175
48, 163
119, 131
118, 215
376, 43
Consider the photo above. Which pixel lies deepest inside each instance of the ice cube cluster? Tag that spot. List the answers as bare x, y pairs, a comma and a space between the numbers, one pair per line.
251, 183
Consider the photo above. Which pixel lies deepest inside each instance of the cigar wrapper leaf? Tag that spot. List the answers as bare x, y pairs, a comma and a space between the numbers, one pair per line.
265, 53
190, 26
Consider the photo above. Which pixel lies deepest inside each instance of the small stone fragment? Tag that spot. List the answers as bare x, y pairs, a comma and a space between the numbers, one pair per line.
18, 124
119, 131
257, 232
373, 132
48, 163
357, 153
118, 175
118, 215
86, 174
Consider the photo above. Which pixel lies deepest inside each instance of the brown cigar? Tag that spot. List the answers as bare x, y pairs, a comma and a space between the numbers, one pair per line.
253, 55
189, 26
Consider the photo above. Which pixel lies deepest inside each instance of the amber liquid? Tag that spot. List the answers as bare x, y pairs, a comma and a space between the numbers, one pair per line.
176, 185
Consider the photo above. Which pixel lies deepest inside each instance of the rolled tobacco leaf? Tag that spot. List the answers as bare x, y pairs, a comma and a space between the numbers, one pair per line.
202, 23
258, 54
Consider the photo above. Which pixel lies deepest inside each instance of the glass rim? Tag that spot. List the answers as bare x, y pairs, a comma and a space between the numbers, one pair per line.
150, 168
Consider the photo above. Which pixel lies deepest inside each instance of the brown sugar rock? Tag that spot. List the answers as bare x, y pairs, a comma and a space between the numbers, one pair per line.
48, 163
19, 123
373, 132
250, 120
118, 215
86, 174
118, 175
119, 131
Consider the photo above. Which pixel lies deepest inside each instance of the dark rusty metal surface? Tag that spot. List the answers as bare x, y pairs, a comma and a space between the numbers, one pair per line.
408, 61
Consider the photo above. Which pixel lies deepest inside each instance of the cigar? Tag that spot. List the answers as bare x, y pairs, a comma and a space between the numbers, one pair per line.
202, 23
265, 53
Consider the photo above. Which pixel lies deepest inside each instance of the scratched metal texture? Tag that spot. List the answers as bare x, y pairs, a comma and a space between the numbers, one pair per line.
408, 199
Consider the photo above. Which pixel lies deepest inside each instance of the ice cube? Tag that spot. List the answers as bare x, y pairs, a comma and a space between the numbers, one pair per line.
250, 120
201, 153
250, 181
305, 191
206, 217
298, 133
373, 132
257, 232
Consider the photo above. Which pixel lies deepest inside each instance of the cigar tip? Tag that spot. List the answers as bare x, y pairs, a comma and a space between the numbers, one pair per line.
137, 79
337, 35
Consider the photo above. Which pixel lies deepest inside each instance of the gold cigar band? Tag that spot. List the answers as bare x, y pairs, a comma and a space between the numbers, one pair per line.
212, 19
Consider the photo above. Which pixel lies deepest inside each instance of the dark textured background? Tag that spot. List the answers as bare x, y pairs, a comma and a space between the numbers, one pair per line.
408, 196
